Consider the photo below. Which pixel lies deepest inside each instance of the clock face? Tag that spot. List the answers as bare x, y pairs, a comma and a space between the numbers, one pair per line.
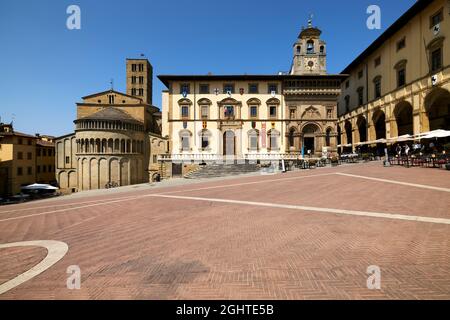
310, 63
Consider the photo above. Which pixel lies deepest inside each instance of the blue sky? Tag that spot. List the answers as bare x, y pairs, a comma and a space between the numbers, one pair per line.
46, 68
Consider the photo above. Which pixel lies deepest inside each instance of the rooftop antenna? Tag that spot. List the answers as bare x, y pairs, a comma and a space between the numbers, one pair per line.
112, 84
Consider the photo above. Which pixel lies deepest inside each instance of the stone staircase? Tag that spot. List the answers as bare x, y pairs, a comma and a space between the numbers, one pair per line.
222, 170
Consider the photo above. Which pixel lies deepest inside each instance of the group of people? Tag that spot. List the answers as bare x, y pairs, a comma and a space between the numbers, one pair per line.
417, 148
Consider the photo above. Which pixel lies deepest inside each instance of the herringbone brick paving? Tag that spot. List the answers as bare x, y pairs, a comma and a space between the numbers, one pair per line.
145, 247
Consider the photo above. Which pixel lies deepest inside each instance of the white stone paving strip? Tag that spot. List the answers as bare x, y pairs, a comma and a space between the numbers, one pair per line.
72, 208
314, 209
250, 183
116, 200
65, 205
56, 250
423, 186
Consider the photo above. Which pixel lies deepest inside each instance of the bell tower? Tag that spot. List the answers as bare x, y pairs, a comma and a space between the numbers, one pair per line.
310, 54
139, 79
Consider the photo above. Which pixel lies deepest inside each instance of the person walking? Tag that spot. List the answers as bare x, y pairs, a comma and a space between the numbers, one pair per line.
398, 150
407, 154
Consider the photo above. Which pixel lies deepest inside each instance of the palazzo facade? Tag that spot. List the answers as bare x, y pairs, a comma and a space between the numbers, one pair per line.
211, 118
401, 83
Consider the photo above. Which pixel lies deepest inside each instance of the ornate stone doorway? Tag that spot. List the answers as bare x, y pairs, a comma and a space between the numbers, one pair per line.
229, 143
310, 132
309, 144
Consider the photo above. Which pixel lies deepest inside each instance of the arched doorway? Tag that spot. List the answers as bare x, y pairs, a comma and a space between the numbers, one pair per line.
403, 113
379, 121
348, 132
361, 123
229, 143
205, 139
309, 137
339, 132
339, 139
437, 105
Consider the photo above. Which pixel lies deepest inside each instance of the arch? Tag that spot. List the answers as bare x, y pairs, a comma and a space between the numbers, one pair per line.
184, 101
110, 146
128, 146
339, 137
348, 131
204, 101
379, 124
253, 101
114, 169
229, 143
273, 101
253, 140
361, 124
94, 174
403, 124
72, 179
85, 174
310, 46
205, 139
97, 146
310, 128
185, 140
273, 136
63, 180
104, 146
155, 176
229, 101
103, 172
437, 107
124, 172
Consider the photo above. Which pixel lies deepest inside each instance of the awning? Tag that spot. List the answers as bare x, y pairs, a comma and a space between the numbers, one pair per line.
436, 134
403, 138
344, 145
37, 186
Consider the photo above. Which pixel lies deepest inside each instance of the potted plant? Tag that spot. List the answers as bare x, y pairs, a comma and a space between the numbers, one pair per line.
312, 163
334, 161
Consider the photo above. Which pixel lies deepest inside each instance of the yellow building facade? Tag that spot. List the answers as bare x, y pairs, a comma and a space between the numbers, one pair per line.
401, 83
22, 160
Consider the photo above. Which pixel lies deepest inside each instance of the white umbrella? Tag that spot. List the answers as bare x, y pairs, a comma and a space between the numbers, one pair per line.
405, 137
437, 134
37, 186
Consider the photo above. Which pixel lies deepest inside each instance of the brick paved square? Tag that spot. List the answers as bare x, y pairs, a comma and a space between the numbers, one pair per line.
301, 235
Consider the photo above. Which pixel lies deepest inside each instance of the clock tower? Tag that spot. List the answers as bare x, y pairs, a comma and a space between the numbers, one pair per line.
310, 54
